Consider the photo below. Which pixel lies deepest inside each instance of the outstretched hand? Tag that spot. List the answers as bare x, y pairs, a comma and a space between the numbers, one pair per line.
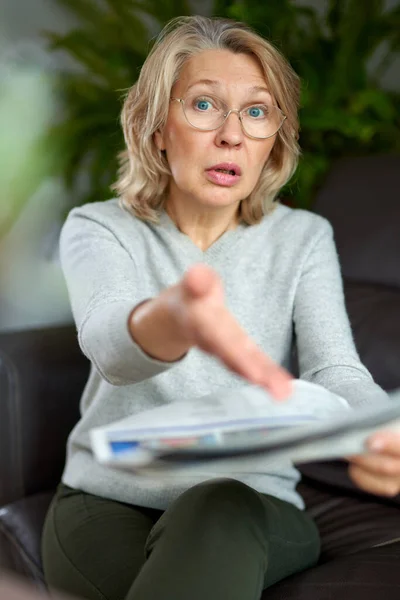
200, 310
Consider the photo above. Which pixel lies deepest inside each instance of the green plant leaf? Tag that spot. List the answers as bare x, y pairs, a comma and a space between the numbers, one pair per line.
89, 12
161, 10
357, 34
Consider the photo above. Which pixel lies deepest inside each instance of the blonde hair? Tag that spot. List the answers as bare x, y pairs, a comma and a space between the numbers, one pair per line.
144, 173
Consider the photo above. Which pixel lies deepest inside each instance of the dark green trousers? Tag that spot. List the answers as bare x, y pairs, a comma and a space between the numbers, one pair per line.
218, 540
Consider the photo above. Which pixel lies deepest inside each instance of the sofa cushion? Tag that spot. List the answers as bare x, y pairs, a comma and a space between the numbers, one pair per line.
348, 522
21, 526
367, 575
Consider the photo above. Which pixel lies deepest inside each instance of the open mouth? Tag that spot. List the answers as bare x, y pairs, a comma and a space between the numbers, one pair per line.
227, 168
226, 175
228, 172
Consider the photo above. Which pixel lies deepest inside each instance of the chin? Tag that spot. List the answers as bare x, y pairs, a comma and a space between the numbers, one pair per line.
221, 198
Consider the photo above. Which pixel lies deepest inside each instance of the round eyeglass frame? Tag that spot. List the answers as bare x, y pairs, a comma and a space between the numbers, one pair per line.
226, 115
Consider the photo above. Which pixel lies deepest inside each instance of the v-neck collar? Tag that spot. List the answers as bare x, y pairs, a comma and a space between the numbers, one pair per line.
217, 248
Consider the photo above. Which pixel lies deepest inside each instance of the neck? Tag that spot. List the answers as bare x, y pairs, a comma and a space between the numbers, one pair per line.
202, 225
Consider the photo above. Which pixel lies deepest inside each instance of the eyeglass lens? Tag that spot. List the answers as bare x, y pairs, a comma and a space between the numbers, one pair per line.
208, 112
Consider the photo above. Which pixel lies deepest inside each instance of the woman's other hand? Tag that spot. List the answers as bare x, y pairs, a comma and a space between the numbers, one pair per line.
379, 471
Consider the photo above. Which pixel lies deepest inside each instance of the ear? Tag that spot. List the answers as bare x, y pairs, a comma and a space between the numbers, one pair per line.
159, 140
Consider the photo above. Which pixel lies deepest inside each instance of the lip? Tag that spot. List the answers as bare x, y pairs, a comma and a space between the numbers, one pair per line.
227, 166
224, 179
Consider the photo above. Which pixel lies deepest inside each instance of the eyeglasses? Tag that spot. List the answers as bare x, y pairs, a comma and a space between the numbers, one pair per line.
206, 113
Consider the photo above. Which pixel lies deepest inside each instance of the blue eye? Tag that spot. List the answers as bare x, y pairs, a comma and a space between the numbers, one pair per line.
202, 105
256, 112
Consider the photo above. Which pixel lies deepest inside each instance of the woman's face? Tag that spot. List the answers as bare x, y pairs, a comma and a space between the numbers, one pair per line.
237, 79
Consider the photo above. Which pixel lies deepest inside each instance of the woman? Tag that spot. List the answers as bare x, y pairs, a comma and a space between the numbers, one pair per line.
195, 280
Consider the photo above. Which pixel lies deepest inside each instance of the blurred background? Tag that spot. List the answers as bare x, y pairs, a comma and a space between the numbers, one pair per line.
64, 68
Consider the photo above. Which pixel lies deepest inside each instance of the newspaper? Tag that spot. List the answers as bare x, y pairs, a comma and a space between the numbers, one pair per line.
241, 429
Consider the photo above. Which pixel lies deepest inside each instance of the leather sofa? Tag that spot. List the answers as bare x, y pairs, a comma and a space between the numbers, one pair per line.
42, 373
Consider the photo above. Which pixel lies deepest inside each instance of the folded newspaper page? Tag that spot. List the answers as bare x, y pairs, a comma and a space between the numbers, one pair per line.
242, 428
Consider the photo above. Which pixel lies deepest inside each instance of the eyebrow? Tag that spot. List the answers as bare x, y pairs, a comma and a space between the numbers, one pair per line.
216, 84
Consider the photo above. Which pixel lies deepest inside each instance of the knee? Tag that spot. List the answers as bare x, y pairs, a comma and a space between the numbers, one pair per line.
221, 502
219, 514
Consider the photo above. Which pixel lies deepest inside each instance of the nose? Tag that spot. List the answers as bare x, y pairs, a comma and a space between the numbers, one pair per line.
231, 132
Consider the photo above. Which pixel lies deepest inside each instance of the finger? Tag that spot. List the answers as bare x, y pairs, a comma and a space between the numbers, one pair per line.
385, 441
257, 369
383, 486
270, 375
199, 280
380, 465
229, 342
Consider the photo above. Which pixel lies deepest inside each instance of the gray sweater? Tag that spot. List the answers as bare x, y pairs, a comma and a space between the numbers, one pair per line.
282, 282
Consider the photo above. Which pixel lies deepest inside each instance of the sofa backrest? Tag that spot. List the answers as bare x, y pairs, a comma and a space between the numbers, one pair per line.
42, 375
361, 199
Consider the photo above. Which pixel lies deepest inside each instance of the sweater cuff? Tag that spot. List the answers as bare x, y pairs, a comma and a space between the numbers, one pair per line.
107, 342
361, 393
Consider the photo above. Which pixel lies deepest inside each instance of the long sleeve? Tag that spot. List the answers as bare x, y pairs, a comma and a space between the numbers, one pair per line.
104, 286
325, 345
